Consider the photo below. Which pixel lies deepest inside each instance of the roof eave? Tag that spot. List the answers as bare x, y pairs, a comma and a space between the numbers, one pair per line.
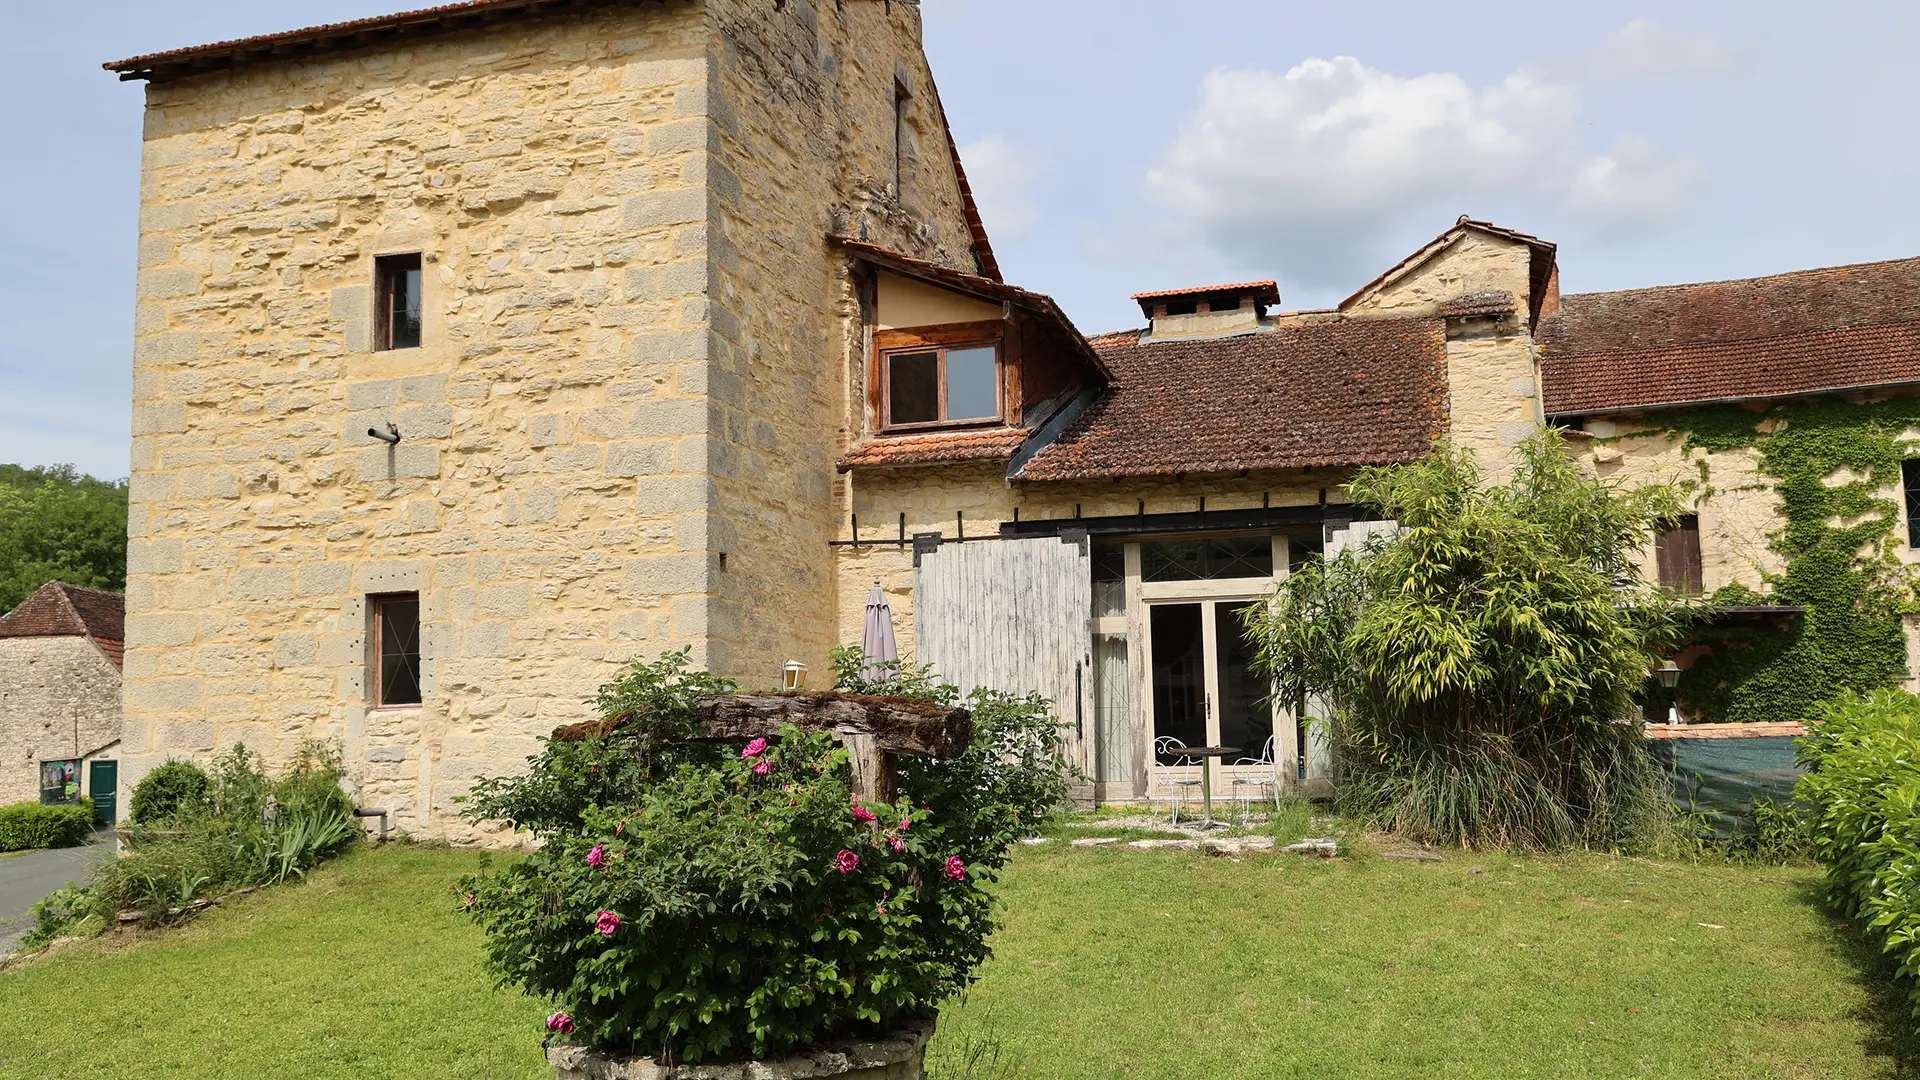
1747, 399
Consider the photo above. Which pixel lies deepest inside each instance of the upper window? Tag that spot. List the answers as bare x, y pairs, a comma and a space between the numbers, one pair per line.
1910, 481
397, 301
957, 384
1207, 560
396, 650
1676, 555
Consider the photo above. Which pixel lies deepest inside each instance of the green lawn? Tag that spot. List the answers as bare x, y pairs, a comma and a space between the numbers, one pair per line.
1114, 964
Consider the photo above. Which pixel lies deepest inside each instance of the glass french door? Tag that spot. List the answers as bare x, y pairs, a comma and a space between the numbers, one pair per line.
1205, 689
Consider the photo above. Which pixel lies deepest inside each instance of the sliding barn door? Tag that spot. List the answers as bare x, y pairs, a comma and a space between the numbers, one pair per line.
1013, 615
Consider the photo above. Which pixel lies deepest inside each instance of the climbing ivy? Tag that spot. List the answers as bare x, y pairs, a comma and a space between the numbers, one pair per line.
1830, 464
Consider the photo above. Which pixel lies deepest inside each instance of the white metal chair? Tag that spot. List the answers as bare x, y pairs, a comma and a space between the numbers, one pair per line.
1270, 781
1165, 746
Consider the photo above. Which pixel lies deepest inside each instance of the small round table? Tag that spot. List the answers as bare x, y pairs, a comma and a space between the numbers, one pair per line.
1206, 754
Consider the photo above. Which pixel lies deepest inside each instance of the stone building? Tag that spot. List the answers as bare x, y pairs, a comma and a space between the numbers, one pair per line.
60, 657
482, 349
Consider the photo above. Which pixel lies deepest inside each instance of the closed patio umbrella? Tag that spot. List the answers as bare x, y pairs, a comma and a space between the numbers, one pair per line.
876, 637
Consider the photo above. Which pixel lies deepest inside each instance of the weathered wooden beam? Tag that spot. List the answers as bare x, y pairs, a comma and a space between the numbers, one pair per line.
907, 726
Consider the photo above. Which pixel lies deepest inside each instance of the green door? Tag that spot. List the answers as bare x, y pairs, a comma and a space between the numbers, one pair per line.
106, 791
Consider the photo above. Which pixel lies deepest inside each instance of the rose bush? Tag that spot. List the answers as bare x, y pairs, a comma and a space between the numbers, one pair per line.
707, 902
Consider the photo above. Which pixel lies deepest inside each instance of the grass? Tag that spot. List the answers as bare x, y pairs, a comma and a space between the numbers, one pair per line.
365, 971
1113, 964
1175, 965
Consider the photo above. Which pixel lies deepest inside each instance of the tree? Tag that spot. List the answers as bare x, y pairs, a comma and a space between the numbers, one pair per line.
1480, 666
59, 524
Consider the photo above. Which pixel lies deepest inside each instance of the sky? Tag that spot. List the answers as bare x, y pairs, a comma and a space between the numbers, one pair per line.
1119, 146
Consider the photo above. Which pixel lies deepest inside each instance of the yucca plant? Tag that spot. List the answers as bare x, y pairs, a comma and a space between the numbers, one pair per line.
1480, 666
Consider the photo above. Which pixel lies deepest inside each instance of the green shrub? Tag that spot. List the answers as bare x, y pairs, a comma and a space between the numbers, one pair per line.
715, 902
69, 911
28, 826
248, 828
173, 787
1863, 787
1476, 665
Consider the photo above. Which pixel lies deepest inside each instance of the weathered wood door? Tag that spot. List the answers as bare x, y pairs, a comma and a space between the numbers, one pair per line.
1013, 615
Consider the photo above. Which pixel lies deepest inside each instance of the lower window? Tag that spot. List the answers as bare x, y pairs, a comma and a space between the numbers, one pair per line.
396, 649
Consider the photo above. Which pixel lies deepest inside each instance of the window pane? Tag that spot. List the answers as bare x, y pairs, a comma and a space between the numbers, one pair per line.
406, 309
1910, 480
1240, 556
973, 384
913, 388
1207, 560
1172, 560
1113, 749
399, 652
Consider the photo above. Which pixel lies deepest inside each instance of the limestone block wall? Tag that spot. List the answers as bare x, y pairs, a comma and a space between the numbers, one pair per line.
1492, 375
552, 500
59, 698
804, 133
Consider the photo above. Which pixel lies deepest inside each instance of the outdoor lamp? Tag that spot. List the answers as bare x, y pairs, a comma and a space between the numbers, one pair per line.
1669, 673
793, 676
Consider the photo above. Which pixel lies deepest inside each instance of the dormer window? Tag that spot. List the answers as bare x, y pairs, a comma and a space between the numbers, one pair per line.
929, 386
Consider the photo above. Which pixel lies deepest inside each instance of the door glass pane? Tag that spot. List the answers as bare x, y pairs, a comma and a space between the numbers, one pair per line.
1109, 582
1179, 674
1246, 721
973, 390
1113, 750
913, 388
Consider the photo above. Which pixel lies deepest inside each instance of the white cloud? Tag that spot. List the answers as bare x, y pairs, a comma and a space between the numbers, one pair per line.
1646, 50
1320, 172
1002, 177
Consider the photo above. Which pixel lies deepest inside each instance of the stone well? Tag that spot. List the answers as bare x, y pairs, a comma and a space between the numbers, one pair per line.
900, 1057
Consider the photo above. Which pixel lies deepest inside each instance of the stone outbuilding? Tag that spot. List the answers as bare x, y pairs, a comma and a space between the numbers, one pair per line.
60, 656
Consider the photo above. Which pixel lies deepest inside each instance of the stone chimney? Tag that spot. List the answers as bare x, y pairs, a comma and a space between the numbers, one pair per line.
1212, 311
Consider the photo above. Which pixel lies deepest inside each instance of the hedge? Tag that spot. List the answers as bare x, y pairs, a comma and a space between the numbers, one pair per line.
27, 826
1863, 787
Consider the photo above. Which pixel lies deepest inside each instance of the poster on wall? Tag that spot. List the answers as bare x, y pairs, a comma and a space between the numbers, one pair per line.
60, 781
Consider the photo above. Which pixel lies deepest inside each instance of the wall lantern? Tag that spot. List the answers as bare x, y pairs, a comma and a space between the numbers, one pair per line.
793, 677
1669, 673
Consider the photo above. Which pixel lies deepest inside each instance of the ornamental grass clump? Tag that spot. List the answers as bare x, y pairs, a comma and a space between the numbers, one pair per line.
702, 902
1479, 669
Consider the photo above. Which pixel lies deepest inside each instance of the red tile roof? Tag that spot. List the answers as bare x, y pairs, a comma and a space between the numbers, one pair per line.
1813, 331
1341, 393
334, 37
947, 447
57, 609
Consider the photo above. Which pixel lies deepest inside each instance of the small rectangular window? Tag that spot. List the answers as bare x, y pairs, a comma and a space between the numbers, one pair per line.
397, 298
1676, 555
1207, 560
396, 649
958, 384
1910, 480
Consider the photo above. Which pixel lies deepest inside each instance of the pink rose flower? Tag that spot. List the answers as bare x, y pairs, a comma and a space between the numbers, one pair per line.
754, 749
597, 858
956, 870
560, 1023
861, 813
762, 768
846, 862
606, 922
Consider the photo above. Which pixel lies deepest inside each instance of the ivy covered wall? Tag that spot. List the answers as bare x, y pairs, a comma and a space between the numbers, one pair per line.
1835, 471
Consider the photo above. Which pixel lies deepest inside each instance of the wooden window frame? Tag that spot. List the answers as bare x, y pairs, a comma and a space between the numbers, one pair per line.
383, 268
376, 635
941, 340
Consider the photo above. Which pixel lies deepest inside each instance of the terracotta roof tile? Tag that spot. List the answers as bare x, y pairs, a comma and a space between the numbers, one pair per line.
1813, 331
1267, 288
894, 451
1344, 393
57, 609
